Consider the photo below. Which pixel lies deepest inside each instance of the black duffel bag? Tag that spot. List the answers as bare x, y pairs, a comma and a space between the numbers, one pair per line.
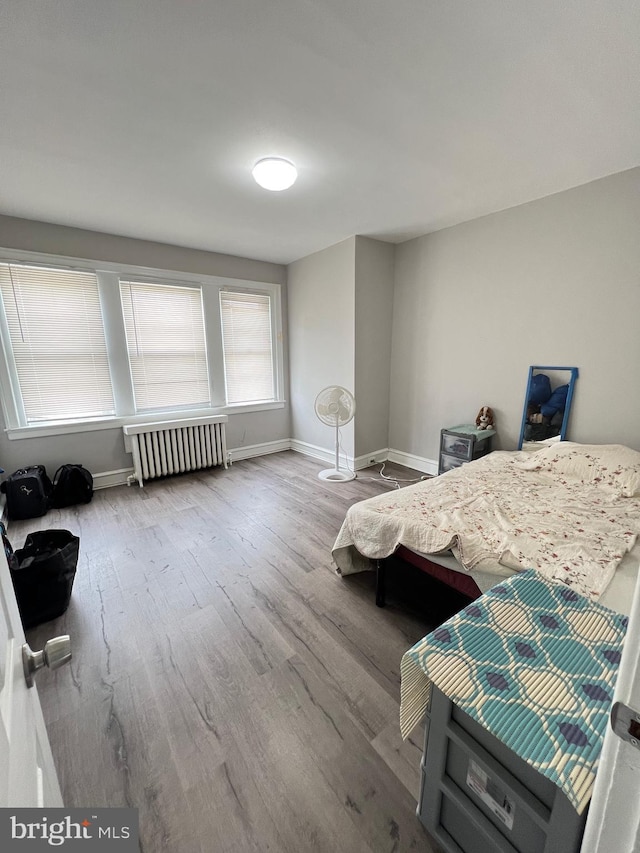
28, 491
43, 579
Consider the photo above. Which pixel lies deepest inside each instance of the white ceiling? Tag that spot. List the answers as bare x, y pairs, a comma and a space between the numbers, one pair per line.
144, 117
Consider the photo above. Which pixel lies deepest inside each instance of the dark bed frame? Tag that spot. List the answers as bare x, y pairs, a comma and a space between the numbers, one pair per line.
458, 581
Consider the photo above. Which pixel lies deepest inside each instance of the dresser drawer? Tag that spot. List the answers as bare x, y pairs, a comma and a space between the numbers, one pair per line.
457, 445
448, 462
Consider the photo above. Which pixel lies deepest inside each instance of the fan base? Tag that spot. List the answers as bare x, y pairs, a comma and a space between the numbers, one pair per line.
336, 476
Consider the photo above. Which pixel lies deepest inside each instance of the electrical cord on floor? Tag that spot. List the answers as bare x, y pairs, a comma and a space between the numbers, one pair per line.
396, 480
385, 478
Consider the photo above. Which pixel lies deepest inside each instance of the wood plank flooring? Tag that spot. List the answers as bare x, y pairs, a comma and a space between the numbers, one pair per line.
225, 681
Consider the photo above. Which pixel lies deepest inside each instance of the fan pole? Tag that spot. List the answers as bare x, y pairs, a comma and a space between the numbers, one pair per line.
335, 474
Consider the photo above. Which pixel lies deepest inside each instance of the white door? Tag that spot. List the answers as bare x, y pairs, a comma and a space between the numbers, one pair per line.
27, 772
613, 824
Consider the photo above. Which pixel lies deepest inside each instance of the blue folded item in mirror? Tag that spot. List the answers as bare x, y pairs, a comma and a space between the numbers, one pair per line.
539, 389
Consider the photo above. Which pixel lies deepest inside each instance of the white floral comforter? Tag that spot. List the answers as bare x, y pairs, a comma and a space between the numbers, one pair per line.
569, 512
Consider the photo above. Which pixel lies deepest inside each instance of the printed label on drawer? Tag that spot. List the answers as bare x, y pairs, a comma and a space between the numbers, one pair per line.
491, 794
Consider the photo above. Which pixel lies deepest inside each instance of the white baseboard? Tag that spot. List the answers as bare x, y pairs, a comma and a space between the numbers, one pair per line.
329, 456
250, 450
419, 463
106, 479
318, 452
373, 458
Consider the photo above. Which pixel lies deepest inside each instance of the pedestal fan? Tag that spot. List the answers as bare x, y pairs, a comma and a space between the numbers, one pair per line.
335, 407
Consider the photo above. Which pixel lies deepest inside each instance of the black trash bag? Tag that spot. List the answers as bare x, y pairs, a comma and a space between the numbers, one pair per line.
44, 578
12, 560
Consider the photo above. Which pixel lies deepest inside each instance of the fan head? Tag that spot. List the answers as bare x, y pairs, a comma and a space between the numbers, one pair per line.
335, 406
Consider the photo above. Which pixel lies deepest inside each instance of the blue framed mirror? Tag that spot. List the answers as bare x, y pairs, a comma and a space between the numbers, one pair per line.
547, 403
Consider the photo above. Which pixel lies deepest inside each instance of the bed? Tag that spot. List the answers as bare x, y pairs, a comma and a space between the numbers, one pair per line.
570, 511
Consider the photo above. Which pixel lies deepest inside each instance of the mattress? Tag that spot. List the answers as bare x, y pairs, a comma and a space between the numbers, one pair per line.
571, 512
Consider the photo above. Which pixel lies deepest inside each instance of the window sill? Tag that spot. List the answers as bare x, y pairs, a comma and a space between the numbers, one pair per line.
68, 427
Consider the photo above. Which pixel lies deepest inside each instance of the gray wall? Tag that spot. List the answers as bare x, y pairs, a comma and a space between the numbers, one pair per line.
340, 321
373, 323
103, 451
555, 281
321, 313
78, 243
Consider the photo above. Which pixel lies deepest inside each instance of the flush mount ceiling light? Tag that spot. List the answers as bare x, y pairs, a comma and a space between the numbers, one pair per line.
275, 173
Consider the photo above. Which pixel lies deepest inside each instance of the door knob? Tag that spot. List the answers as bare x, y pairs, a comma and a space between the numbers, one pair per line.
56, 652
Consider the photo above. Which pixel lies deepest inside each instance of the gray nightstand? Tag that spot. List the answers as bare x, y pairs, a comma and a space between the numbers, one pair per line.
460, 444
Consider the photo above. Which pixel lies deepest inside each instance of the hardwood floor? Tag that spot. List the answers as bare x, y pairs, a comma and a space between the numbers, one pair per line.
225, 681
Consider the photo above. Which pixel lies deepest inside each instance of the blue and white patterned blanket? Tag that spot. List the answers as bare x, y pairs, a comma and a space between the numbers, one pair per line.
533, 662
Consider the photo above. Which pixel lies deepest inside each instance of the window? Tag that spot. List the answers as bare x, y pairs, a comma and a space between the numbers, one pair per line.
87, 345
248, 346
57, 341
166, 345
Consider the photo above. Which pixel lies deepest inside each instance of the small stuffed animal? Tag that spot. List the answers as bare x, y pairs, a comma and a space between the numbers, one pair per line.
485, 418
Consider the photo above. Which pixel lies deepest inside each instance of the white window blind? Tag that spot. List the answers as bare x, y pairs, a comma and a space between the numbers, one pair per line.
58, 344
166, 345
248, 347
